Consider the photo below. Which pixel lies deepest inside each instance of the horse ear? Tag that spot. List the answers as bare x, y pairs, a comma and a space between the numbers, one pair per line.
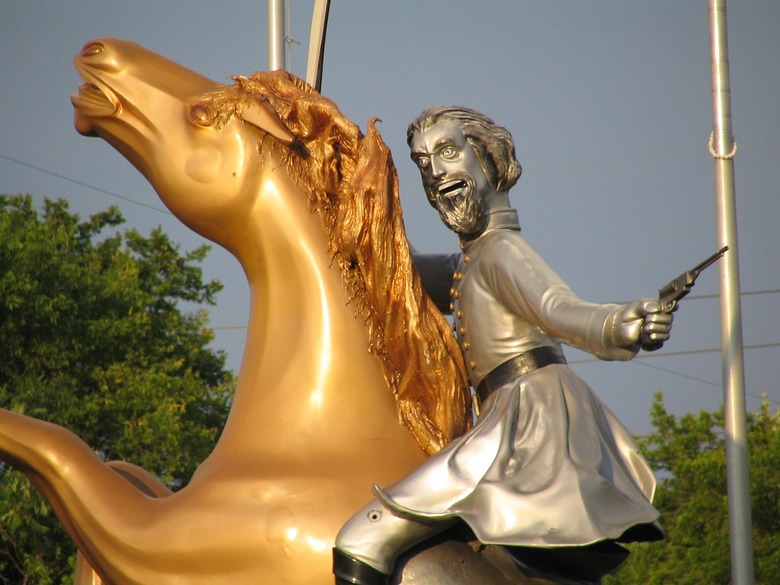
261, 114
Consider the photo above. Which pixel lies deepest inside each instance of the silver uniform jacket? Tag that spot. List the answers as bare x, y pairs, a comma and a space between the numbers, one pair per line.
547, 464
507, 300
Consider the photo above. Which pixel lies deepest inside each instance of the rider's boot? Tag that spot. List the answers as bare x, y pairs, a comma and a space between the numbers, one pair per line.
351, 571
368, 545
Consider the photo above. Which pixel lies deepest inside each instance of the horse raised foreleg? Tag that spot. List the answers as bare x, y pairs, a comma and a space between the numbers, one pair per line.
90, 498
125, 531
235, 527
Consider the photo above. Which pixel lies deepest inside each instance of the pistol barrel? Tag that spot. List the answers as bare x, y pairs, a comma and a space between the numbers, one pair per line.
711, 260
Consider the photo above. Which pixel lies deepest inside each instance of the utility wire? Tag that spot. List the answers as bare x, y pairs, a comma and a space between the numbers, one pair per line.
650, 356
165, 211
770, 291
670, 155
586, 360
641, 359
547, 166
81, 184
707, 382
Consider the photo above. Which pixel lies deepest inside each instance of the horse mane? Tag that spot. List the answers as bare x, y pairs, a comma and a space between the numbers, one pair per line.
353, 187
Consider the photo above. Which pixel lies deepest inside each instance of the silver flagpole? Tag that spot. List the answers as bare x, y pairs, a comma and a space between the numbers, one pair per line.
723, 148
276, 35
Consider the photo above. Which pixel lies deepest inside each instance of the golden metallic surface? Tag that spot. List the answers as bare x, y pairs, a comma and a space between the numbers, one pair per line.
341, 345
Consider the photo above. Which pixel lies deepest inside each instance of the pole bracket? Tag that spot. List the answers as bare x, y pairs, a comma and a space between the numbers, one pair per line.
714, 154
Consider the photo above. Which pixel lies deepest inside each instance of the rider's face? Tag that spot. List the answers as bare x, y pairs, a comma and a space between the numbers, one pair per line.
452, 176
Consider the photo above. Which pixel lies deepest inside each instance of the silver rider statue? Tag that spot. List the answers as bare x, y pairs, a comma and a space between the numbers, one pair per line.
547, 470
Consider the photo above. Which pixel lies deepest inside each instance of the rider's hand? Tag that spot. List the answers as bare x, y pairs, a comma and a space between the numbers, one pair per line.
642, 323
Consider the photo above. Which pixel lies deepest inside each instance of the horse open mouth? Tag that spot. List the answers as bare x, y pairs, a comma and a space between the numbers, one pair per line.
93, 100
90, 103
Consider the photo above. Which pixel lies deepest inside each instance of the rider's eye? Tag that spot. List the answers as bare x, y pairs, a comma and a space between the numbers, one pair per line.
422, 162
448, 153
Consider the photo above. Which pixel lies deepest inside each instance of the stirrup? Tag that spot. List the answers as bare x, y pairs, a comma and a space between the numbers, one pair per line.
350, 571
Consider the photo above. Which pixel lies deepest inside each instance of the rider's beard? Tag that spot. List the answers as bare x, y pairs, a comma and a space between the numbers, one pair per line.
465, 211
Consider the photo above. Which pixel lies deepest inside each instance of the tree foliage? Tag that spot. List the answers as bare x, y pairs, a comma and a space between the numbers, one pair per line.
95, 337
690, 455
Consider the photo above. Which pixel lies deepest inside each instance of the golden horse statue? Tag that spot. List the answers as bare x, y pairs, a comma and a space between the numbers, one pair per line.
349, 378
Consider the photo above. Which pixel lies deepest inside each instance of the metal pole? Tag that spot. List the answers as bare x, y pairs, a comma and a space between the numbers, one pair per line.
723, 148
319, 26
276, 36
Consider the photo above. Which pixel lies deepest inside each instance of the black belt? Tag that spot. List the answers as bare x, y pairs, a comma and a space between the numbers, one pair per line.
520, 365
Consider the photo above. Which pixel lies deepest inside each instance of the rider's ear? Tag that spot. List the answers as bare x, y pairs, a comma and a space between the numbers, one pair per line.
261, 114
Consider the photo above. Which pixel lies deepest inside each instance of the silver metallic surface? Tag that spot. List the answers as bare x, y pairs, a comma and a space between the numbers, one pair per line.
731, 314
276, 46
359, 535
507, 301
547, 464
445, 560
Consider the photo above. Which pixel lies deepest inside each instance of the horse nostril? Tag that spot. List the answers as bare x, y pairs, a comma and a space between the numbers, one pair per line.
92, 49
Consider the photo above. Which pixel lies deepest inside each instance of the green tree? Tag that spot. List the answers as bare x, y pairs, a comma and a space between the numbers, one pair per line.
689, 454
95, 337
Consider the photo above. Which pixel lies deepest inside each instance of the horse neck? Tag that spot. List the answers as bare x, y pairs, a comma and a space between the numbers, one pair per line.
307, 380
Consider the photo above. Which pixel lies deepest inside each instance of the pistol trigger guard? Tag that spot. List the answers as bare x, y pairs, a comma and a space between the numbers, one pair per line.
648, 344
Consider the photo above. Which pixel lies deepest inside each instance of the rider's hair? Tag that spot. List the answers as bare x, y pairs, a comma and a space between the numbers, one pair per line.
493, 143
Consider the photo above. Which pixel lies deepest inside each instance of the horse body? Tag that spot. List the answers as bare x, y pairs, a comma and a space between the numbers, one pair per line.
313, 423
327, 371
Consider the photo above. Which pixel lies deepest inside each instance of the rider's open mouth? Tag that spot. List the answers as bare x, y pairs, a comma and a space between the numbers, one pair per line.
451, 189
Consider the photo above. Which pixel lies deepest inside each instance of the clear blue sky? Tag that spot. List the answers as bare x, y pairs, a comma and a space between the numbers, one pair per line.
609, 103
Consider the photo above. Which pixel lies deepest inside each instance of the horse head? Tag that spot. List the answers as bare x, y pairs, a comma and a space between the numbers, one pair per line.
246, 165
152, 111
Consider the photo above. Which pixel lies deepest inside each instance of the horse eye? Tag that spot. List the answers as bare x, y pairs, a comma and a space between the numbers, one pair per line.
200, 113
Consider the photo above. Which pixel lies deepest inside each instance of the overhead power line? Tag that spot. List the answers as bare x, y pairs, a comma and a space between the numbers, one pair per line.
656, 355
86, 185
667, 156
643, 358
585, 360
548, 166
